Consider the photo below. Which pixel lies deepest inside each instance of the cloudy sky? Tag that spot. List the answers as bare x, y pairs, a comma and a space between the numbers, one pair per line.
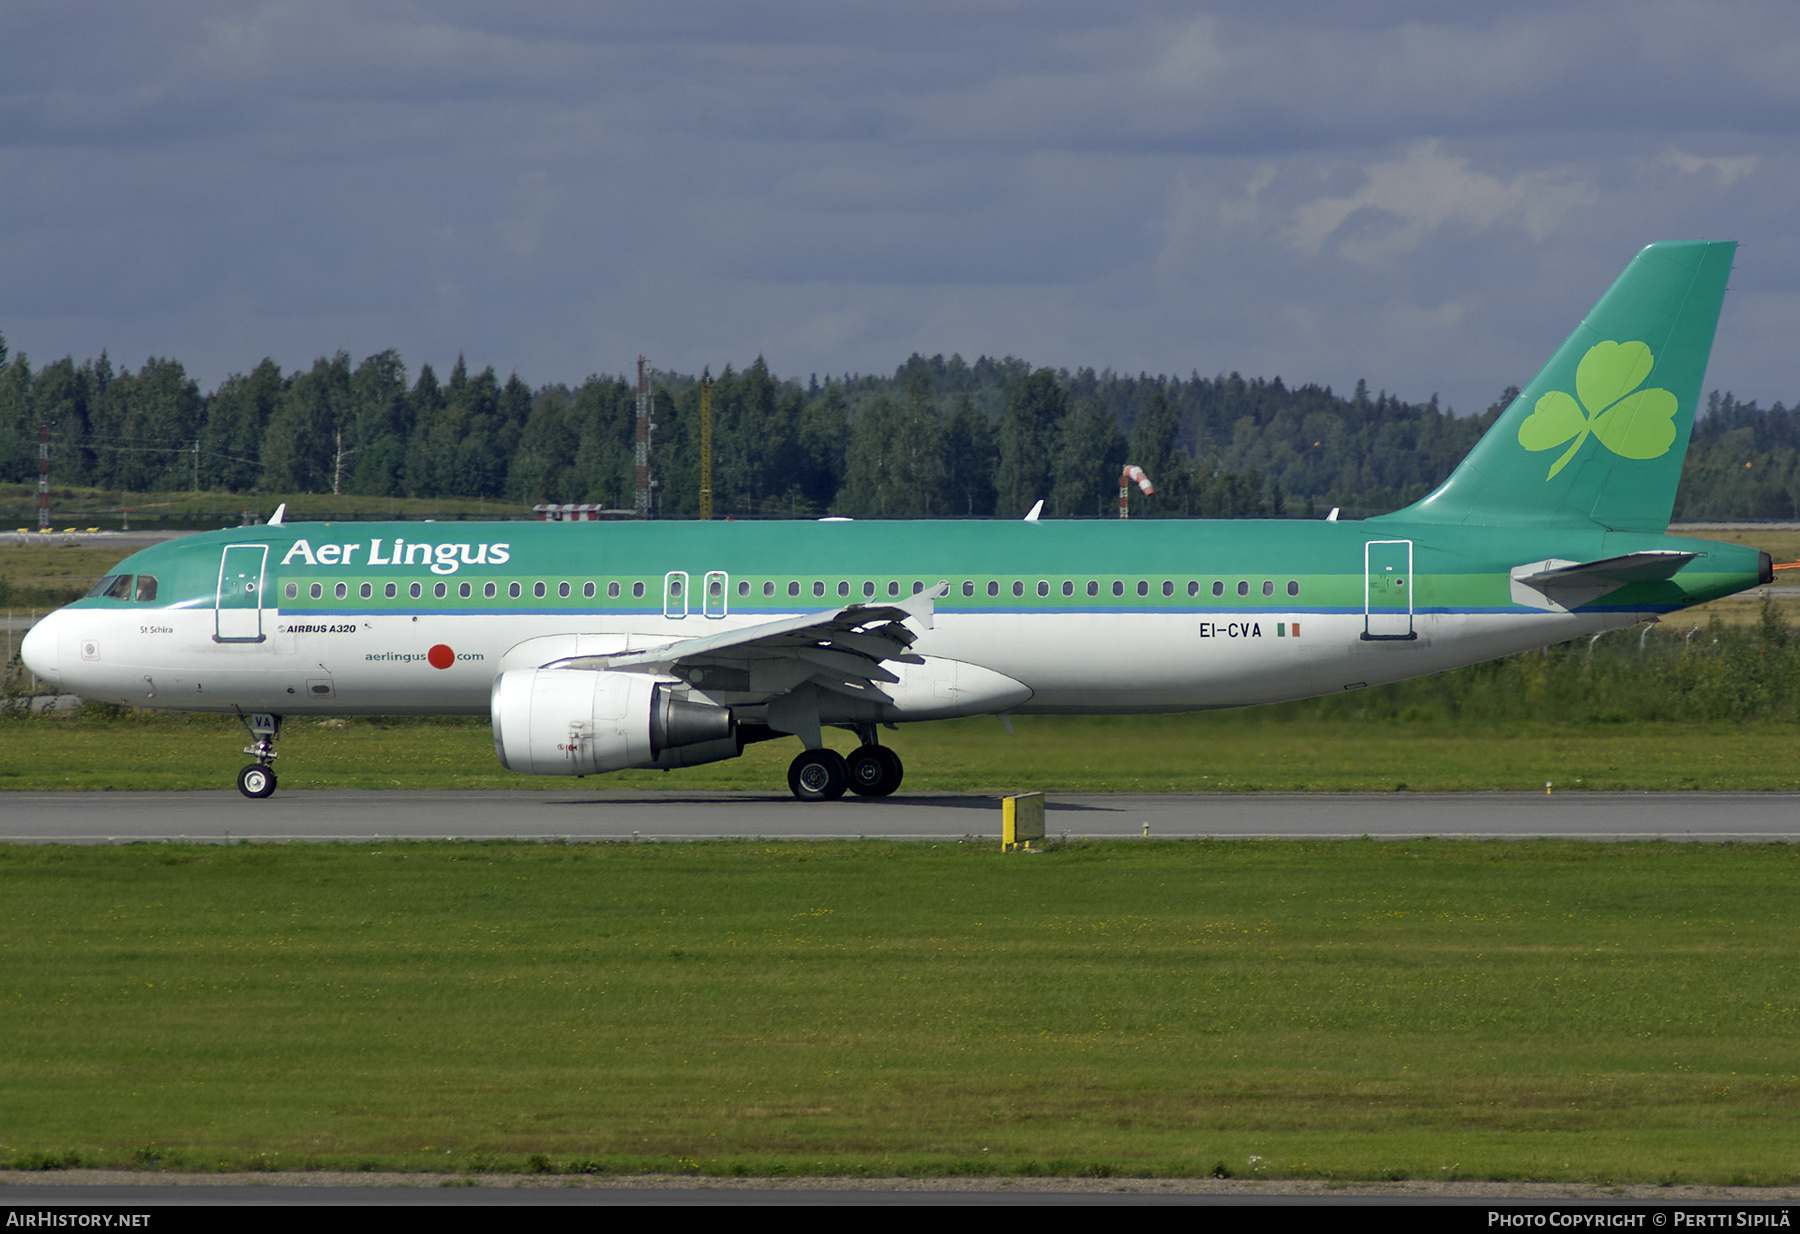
1427, 196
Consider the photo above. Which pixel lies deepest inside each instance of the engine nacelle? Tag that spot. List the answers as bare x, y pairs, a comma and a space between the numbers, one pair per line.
577, 722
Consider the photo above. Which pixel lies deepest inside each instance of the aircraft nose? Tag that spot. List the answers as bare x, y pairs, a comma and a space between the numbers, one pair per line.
39, 650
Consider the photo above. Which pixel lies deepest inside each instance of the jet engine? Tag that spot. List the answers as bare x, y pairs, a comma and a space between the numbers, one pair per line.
579, 722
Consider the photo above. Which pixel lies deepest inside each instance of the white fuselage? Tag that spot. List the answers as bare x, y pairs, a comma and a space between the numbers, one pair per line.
1068, 662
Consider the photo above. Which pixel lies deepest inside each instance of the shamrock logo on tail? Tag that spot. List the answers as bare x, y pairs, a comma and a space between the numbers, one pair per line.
1634, 425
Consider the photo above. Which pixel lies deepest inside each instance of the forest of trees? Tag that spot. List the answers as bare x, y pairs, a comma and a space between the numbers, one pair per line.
937, 438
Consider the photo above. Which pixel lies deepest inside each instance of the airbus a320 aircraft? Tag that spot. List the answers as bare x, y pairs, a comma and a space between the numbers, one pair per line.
601, 646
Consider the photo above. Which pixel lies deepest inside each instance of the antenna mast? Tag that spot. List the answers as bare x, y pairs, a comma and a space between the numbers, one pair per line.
43, 475
706, 443
643, 439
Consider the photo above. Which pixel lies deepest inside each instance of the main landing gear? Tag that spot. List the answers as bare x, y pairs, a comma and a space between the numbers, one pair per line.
875, 771
258, 779
823, 775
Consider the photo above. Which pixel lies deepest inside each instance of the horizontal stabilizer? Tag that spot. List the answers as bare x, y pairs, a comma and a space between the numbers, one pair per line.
1563, 585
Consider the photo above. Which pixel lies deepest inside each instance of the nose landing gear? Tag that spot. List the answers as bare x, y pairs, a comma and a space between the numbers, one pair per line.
258, 779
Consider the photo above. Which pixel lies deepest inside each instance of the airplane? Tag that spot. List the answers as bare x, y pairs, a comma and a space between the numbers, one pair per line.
595, 647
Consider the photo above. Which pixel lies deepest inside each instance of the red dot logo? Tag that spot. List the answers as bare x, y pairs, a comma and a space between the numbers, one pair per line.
440, 656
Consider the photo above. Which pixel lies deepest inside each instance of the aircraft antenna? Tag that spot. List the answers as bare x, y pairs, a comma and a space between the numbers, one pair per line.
643, 439
706, 443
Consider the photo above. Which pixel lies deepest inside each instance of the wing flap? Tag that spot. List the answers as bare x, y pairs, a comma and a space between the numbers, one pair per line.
840, 650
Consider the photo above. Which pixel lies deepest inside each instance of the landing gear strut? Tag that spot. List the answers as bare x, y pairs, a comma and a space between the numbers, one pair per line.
258, 779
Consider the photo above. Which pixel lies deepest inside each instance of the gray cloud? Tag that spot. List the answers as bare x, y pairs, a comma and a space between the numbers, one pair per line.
1429, 199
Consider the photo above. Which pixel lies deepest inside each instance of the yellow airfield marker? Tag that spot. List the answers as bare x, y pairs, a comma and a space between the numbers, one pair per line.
1022, 821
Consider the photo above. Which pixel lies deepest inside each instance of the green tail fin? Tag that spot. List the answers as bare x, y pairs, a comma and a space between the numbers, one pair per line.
1599, 435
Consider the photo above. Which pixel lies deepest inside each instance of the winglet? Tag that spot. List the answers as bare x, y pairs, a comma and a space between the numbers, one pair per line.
922, 605
1035, 511
275, 518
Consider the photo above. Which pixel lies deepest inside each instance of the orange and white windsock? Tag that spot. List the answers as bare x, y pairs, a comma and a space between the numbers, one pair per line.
1132, 474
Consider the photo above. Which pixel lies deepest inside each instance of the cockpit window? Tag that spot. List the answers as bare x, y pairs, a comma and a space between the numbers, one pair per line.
103, 586
146, 588
120, 589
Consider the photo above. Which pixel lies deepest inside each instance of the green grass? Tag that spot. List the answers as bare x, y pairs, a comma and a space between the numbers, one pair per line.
1262, 750
1541, 1010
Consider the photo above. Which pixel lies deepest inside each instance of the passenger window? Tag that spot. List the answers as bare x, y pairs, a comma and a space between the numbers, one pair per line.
441, 590
587, 591
818, 588
539, 590
1218, 588
562, 589
466, 590
343, 590
743, 589
417, 591
794, 589
1143, 588
612, 591
1193, 588
1043, 588
146, 588
393, 590
1243, 588
893, 589
514, 591
1018, 589
843, 590
1068, 588
1168, 588
293, 591
1268, 587
968, 588
1118, 588
918, 587
993, 588
1293, 587
368, 590
868, 591
490, 591
1093, 588
637, 591
317, 590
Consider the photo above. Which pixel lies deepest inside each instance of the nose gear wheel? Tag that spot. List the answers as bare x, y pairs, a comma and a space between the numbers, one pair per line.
256, 780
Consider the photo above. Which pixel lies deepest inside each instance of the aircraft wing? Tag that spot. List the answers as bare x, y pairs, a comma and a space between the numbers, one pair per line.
1570, 584
840, 650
